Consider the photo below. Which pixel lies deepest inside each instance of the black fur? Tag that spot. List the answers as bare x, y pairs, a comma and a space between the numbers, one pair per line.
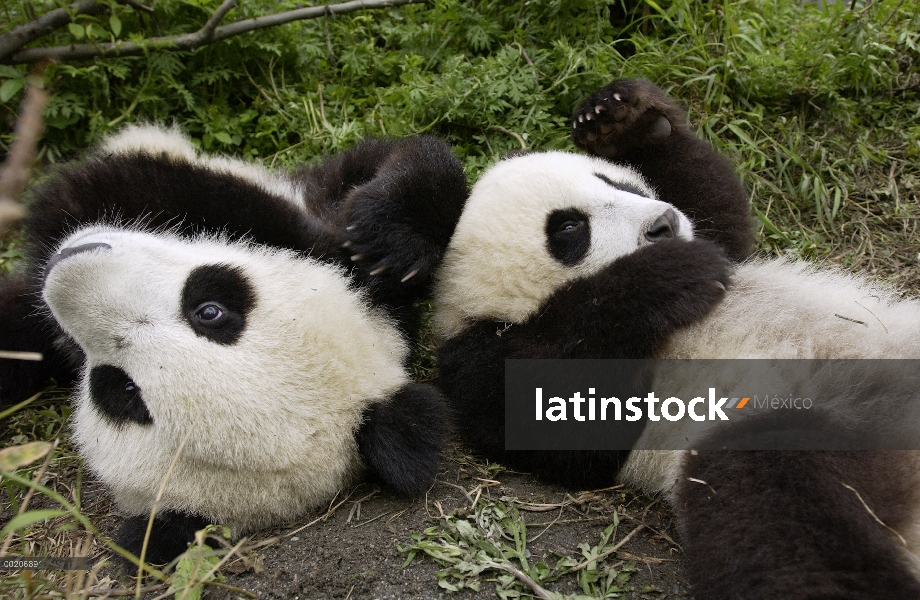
23, 328
622, 312
395, 201
118, 398
216, 300
400, 439
648, 131
170, 535
780, 525
623, 187
568, 235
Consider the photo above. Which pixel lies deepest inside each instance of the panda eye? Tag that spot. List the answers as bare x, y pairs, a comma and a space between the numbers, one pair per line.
210, 314
569, 226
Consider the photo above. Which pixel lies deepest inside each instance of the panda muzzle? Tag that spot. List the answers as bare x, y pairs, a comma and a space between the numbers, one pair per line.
72, 251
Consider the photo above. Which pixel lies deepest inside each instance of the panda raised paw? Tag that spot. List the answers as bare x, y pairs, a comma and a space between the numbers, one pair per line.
623, 115
398, 223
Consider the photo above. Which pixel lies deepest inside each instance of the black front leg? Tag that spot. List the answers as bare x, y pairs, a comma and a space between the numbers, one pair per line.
633, 122
628, 310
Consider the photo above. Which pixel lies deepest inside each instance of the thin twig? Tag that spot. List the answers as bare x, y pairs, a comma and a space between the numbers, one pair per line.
606, 553
538, 591
137, 6
516, 136
15, 355
208, 34
108, 592
561, 509
156, 502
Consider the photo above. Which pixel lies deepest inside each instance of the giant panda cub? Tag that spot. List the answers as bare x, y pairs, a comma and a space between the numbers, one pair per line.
241, 330
568, 256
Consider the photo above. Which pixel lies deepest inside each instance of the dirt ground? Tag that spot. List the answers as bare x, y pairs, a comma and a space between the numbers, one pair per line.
357, 546
356, 555
352, 550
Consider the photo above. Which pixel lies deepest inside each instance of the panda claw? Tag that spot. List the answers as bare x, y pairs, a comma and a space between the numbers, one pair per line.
351, 228
581, 119
719, 285
599, 108
409, 275
588, 117
617, 97
346, 244
356, 257
379, 270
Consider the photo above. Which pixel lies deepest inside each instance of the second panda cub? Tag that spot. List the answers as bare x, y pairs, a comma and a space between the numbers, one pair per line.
561, 294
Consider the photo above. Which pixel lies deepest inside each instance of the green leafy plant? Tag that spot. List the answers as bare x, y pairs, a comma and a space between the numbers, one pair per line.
493, 540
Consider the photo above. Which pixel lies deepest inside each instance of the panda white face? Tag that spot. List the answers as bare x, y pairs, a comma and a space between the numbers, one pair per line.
267, 358
533, 223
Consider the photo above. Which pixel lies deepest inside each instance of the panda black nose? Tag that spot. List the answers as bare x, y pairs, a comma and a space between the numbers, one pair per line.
665, 227
68, 252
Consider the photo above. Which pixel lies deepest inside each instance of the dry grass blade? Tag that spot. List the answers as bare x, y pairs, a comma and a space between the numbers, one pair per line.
25, 502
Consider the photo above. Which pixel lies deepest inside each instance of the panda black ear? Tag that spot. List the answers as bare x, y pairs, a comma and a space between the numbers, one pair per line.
401, 439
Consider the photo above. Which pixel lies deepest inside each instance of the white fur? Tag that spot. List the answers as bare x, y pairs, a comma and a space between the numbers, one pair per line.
780, 309
271, 418
498, 266
157, 140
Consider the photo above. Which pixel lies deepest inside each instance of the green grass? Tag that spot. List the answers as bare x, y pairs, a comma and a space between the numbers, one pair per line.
819, 109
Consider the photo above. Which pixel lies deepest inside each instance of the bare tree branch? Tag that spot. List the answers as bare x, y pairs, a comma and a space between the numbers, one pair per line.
16, 169
204, 36
49, 22
136, 6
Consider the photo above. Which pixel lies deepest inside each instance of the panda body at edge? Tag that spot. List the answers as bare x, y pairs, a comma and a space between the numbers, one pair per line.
209, 304
534, 270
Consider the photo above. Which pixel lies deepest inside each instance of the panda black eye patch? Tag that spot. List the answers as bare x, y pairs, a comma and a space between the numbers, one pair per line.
216, 300
117, 397
568, 235
623, 187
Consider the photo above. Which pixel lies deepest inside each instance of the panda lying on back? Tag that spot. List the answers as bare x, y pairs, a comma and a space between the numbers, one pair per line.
565, 256
252, 316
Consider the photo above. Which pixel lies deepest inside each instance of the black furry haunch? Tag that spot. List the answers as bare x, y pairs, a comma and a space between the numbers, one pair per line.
632, 122
781, 525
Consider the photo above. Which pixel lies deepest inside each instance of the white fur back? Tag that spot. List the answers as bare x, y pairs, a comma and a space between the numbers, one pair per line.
779, 309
